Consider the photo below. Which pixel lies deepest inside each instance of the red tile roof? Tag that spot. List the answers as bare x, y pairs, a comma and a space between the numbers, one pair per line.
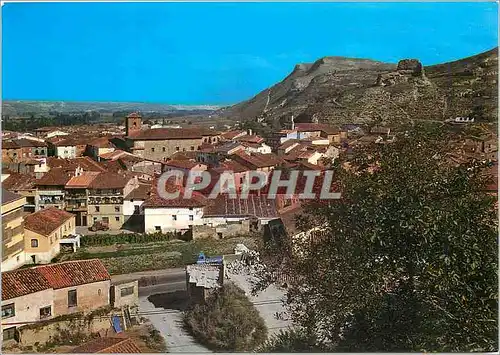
8, 196
86, 163
9, 145
108, 180
174, 133
140, 193
82, 181
258, 160
22, 282
47, 220
257, 206
17, 181
74, 273
250, 139
154, 200
55, 177
102, 142
231, 165
115, 345
182, 164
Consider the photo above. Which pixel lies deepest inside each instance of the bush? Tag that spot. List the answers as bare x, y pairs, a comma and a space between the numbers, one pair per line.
228, 321
125, 238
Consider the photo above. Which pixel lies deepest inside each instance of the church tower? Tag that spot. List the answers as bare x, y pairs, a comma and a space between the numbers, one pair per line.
133, 123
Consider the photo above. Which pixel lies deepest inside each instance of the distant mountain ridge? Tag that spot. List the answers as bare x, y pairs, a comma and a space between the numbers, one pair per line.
343, 90
17, 107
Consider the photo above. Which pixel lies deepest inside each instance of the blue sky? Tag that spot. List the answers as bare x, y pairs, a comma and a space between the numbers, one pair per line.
216, 53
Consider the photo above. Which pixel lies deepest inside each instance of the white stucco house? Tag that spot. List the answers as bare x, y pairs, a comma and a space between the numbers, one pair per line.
162, 215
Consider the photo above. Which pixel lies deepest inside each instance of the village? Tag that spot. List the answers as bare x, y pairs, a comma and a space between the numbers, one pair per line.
95, 188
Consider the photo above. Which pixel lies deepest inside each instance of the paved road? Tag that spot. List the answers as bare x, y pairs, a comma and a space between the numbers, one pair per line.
155, 281
170, 327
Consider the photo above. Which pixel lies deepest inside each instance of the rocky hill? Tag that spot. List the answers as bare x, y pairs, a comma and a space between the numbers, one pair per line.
342, 90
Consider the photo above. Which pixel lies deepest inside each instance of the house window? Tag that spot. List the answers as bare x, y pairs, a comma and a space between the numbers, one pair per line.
137, 210
158, 228
164, 149
174, 218
183, 149
99, 292
45, 312
191, 217
9, 333
34, 243
153, 149
117, 219
72, 302
117, 208
97, 208
127, 291
8, 311
95, 219
192, 147
50, 240
65, 228
177, 149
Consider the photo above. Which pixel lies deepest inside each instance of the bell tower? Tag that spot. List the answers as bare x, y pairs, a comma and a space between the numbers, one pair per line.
133, 123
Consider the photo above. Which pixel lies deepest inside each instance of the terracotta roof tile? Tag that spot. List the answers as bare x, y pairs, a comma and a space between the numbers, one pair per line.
74, 273
55, 177
108, 345
8, 196
9, 145
108, 180
258, 206
174, 133
17, 181
47, 220
140, 193
102, 142
154, 200
22, 282
250, 139
258, 160
86, 163
82, 181
182, 164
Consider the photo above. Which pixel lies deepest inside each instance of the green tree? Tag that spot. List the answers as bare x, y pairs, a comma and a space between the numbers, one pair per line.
406, 260
227, 321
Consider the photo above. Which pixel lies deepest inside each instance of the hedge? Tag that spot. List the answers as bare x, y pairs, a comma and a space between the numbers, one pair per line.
125, 238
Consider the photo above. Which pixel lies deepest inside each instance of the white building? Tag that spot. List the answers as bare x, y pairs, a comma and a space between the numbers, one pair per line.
65, 151
162, 215
57, 134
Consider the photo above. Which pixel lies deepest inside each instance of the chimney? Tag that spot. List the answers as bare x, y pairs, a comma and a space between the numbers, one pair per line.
293, 123
249, 132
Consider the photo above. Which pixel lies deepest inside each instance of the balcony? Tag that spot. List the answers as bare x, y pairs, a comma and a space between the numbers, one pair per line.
51, 201
105, 200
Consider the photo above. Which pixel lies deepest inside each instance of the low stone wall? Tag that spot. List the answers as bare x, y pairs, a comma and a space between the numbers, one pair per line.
68, 330
221, 231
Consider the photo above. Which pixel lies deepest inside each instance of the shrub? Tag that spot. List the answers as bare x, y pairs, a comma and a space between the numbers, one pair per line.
125, 238
228, 321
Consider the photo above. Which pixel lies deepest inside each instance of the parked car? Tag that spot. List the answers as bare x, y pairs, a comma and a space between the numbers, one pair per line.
99, 226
